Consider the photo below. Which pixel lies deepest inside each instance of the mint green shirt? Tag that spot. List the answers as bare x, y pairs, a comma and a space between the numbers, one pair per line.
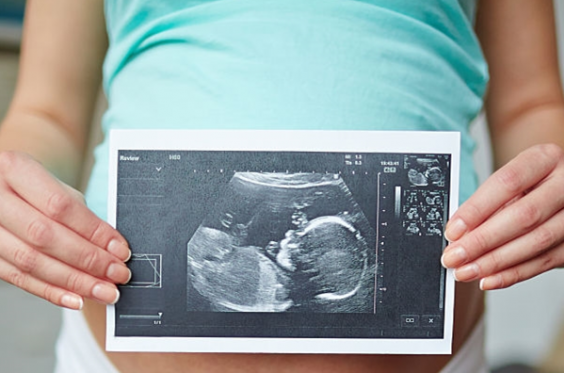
291, 64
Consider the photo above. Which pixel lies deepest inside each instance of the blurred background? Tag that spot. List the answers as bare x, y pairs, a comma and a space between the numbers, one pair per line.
11, 13
525, 324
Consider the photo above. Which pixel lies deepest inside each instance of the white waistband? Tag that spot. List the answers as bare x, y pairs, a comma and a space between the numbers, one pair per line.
471, 356
78, 352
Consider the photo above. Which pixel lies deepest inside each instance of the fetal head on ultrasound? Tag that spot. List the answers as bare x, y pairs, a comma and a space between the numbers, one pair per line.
276, 242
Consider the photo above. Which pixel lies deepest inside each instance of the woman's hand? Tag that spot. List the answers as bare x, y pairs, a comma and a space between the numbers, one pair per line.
51, 244
512, 228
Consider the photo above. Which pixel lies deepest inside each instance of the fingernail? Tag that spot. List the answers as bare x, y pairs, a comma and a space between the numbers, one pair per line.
455, 229
72, 301
454, 257
105, 293
119, 250
467, 273
491, 283
118, 273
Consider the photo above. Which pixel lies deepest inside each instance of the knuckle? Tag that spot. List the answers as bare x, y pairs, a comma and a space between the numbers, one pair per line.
89, 260
74, 281
510, 179
25, 260
18, 279
496, 261
548, 262
551, 152
527, 215
544, 238
480, 241
512, 277
97, 231
50, 293
58, 204
39, 232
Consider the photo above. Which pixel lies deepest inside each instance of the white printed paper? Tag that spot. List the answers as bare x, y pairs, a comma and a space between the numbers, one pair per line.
283, 241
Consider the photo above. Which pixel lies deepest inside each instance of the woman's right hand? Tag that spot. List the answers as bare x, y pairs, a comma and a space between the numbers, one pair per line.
51, 244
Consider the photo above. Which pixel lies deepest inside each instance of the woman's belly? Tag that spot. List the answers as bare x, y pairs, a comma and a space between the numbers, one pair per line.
468, 310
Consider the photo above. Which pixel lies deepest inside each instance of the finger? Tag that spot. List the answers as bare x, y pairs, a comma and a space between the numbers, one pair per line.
53, 294
518, 251
53, 239
540, 264
31, 264
513, 221
518, 176
51, 197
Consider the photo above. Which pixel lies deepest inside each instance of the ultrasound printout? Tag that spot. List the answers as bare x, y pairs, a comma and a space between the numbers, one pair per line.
265, 241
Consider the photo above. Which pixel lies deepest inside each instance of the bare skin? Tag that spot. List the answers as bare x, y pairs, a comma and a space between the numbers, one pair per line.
59, 250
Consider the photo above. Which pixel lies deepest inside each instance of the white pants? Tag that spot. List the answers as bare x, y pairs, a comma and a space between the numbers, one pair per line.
78, 352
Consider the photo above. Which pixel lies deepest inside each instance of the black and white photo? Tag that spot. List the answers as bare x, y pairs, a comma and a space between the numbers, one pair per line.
245, 243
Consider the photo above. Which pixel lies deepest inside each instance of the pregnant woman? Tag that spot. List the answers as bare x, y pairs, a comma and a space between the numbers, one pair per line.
278, 64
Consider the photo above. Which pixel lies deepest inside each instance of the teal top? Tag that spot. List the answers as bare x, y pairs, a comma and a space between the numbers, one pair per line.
291, 64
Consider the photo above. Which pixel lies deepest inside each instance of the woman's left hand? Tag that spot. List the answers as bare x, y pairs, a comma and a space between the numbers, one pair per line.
512, 228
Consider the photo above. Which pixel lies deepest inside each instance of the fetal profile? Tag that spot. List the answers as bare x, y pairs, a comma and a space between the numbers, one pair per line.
283, 242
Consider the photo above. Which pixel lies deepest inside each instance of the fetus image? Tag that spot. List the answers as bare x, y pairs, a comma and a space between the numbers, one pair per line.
283, 242
426, 171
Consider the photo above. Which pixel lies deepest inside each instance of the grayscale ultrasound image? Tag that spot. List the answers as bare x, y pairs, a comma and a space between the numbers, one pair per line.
277, 242
423, 171
282, 244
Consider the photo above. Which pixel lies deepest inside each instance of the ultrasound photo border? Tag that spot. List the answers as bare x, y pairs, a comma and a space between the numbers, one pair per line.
285, 140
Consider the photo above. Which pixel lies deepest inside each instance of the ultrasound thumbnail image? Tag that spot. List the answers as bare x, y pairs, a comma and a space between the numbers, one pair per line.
283, 242
424, 171
424, 207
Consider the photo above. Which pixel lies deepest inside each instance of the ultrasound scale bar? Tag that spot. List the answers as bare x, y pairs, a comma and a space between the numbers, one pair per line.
377, 238
142, 317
